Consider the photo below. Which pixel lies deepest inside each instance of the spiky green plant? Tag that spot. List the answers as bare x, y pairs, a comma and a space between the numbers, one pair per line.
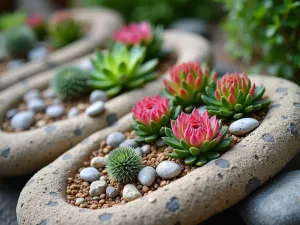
123, 164
19, 41
121, 69
70, 82
234, 96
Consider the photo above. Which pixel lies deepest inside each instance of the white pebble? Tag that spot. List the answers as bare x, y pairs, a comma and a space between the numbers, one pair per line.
89, 174
55, 111
243, 126
130, 192
168, 169
98, 162
73, 112
97, 95
22, 120
79, 201
95, 108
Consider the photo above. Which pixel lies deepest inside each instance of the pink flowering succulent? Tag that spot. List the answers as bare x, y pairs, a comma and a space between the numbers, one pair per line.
151, 115
234, 97
196, 138
142, 34
187, 83
37, 23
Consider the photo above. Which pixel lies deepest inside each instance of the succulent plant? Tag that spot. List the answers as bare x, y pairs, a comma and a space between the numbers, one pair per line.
37, 23
70, 82
196, 138
152, 115
234, 96
19, 41
123, 164
63, 29
142, 34
186, 85
12, 20
121, 69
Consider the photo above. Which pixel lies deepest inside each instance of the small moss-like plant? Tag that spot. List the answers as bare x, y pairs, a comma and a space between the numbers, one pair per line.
152, 115
196, 138
63, 29
19, 41
123, 164
142, 34
121, 69
70, 83
234, 96
186, 85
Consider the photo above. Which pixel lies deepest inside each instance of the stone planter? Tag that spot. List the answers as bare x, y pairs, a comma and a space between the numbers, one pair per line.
36, 148
210, 189
102, 22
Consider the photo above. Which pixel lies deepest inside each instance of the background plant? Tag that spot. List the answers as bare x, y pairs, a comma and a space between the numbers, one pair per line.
267, 31
12, 20
162, 11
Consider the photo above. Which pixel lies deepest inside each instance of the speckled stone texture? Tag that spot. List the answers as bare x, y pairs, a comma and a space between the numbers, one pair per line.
26, 152
102, 22
199, 195
277, 203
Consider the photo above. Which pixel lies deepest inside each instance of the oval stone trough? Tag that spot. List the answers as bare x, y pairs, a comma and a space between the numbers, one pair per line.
189, 200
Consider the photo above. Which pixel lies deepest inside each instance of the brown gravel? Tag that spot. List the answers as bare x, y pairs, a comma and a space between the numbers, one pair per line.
77, 188
81, 104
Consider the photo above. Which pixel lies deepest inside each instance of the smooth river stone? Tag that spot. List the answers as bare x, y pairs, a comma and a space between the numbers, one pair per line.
22, 120
168, 169
243, 126
89, 174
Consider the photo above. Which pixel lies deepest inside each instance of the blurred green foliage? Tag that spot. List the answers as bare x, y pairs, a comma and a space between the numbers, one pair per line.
162, 11
12, 20
267, 31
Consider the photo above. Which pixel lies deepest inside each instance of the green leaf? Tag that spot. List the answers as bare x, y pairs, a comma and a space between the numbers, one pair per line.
149, 77
113, 91
201, 161
248, 101
135, 83
264, 103
259, 92
223, 144
139, 139
169, 132
190, 160
184, 145
144, 128
240, 97
248, 109
238, 108
151, 138
137, 54
181, 153
225, 113
172, 142
154, 126
225, 103
174, 156
205, 146
210, 101
238, 116
212, 155
147, 67
102, 85
194, 151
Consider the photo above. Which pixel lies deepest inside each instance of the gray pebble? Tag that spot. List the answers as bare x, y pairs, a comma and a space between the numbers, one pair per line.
33, 93
55, 111
112, 192
79, 201
22, 120
89, 174
10, 113
146, 149
15, 64
129, 143
86, 64
73, 112
160, 143
49, 93
201, 109
97, 95
243, 126
38, 53
98, 162
139, 151
276, 203
95, 108
36, 105
97, 188
147, 175
168, 169
115, 139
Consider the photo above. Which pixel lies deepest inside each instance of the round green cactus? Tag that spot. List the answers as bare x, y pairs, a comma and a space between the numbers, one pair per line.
124, 164
70, 82
19, 41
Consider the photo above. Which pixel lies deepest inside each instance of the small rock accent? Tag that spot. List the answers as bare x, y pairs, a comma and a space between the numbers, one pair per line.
168, 169
130, 193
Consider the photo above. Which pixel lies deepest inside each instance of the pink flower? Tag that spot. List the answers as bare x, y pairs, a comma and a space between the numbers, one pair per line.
134, 34
151, 109
35, 20
229, 86
195, 129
